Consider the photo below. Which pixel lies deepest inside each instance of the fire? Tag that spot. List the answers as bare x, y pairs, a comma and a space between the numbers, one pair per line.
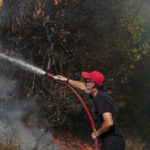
57, 1
47, 18
28, 126
1, 2
68, 142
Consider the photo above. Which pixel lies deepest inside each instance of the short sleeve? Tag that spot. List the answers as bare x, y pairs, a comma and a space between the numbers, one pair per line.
103, 105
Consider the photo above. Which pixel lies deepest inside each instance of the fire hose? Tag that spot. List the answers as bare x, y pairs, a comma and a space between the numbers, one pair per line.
82, 102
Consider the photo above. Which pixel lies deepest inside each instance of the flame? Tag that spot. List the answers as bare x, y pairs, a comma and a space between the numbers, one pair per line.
17, 19
47, 18
67, 141
56, 2
1, 2
39, 9
28, 126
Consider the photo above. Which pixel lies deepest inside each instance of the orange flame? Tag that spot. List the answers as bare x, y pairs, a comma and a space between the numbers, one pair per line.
68, 142
57, 1
1, 2
17, 19
47, 18
28, 126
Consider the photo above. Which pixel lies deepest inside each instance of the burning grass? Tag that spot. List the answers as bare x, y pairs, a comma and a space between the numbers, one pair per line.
7, 144
68, 142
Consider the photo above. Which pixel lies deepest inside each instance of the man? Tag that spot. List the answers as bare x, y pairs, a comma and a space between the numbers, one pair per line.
105, 116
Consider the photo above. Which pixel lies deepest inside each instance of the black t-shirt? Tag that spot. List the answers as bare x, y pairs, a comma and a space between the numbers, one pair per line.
103, 103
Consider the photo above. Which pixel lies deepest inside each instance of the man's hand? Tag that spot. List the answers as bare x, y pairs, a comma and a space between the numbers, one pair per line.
94, 134
106, 125
77, 84
61, 78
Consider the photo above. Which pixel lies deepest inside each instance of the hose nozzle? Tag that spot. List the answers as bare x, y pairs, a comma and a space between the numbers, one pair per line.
55, 77
50, 75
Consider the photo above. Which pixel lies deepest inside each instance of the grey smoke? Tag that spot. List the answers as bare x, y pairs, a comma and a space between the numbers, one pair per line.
13, 116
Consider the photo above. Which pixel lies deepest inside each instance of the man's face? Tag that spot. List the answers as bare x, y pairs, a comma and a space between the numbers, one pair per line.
88, 83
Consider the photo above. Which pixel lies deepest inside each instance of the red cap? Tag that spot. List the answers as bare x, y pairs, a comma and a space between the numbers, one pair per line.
96, 76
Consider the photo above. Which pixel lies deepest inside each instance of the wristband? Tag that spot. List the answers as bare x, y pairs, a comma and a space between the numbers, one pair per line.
67, 80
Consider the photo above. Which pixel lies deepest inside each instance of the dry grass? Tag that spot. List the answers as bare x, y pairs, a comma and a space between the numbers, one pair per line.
7, 144
135, 143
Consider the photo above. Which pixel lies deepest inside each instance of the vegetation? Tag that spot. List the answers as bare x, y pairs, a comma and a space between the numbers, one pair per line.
135, 143
7, 144
66, 37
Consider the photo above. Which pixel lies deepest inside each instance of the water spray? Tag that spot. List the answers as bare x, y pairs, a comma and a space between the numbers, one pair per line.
23, 64
40, 71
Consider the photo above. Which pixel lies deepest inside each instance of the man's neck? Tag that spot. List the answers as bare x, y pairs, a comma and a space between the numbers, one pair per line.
95, 92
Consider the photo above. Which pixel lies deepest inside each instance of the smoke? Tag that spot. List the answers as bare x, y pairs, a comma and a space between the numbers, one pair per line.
22, 118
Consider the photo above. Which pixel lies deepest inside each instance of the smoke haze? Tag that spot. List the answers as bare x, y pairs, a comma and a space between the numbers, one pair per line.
22, 119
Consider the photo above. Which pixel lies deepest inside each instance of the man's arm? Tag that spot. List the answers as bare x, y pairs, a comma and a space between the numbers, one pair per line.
76, 84
106, 125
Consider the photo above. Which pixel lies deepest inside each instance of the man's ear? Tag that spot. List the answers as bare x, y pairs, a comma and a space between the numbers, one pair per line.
93, 85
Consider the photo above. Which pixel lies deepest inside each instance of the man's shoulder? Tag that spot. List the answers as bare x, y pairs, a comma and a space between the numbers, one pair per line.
103, 93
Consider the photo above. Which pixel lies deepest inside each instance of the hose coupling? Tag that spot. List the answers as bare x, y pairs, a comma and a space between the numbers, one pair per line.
55, 77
